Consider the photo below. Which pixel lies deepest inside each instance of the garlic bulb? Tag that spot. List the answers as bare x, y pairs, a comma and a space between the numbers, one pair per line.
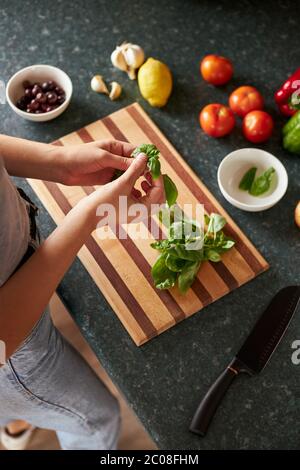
118, 60
134, 55
115, 91
98, 85
128, 57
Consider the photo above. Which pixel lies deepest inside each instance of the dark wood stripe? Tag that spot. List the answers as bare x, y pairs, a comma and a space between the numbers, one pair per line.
116, 281
113, 129
201, 292
189, 181
226, 275
84, 135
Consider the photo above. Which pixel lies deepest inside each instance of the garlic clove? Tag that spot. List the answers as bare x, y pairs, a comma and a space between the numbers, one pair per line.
98, 84
118, 60
115, 91
131, 73
134, 55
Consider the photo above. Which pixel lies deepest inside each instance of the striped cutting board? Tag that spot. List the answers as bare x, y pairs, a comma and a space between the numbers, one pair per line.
121, 268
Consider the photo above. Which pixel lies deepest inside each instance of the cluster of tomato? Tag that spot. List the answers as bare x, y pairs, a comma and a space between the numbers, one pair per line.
218, 120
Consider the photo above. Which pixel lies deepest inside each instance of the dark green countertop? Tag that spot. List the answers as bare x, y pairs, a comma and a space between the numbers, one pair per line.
164, 380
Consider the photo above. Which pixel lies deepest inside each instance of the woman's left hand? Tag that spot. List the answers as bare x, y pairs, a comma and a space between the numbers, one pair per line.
94, 163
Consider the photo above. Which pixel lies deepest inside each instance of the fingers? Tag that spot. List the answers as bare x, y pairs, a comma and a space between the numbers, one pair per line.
148, 177
155, 194
117, 147
136, 193
145, 186
115, 161
135, 170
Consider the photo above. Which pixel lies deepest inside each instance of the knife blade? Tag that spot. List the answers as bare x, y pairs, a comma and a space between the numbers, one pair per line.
253, 355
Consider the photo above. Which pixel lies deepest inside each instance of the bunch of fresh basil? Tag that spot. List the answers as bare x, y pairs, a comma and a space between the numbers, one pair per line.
186, 247
153, 164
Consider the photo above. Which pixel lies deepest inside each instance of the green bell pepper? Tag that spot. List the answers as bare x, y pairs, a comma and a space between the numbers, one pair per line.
291, 134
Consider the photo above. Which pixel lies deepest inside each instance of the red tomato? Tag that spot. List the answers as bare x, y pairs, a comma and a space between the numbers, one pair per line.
257, 126
216, 69
216, 120
245, 99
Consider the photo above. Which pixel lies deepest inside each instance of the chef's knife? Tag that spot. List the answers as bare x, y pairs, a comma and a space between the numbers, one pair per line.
254, 354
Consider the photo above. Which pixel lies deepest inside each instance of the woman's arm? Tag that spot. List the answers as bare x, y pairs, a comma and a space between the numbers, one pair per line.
30, 159
26, 294
85, 164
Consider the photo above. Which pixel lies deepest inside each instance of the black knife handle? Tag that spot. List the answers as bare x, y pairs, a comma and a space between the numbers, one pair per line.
212, 399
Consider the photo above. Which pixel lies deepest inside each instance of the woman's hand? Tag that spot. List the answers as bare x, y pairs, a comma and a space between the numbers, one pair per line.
94, 163
106, 198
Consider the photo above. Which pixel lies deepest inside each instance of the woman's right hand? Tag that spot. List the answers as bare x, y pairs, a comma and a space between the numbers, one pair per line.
99, 202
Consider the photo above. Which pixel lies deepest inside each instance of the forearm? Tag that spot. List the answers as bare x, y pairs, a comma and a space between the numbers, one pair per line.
26, 294
30, 159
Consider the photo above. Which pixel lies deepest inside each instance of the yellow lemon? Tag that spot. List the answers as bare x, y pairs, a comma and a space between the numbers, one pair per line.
155, 82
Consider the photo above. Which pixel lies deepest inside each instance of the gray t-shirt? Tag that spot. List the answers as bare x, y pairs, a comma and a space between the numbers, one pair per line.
14, 226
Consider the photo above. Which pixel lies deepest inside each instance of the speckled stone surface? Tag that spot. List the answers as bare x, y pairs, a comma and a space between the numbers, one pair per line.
164, 380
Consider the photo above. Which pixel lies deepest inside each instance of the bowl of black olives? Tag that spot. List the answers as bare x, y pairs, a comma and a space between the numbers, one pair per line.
39, 92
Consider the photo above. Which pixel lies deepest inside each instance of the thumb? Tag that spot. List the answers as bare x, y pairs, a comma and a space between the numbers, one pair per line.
135, 170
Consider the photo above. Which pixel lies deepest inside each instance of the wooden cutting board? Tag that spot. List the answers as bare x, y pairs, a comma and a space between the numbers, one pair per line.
121, 268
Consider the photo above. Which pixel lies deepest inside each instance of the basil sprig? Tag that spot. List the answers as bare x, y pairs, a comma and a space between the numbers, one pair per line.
186, 247
257, 186
153, 164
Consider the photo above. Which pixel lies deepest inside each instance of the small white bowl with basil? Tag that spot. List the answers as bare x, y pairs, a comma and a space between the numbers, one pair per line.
252, 179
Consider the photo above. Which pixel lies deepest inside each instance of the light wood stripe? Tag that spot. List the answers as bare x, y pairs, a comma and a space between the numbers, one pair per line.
122, 268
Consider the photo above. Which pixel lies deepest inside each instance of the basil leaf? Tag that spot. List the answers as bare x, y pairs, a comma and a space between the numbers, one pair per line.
162, 276
262, 184
187, 276
160, 245
193, 244
213, 255
170, 190
248, 178
189, 255
174, 263
154, 167
228, 244
152, 153
216, 223
206, 219
176, 231
148, 149
182, 231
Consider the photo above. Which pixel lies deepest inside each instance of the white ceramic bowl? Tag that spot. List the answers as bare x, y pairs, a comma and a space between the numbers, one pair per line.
38, 73
233, 167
